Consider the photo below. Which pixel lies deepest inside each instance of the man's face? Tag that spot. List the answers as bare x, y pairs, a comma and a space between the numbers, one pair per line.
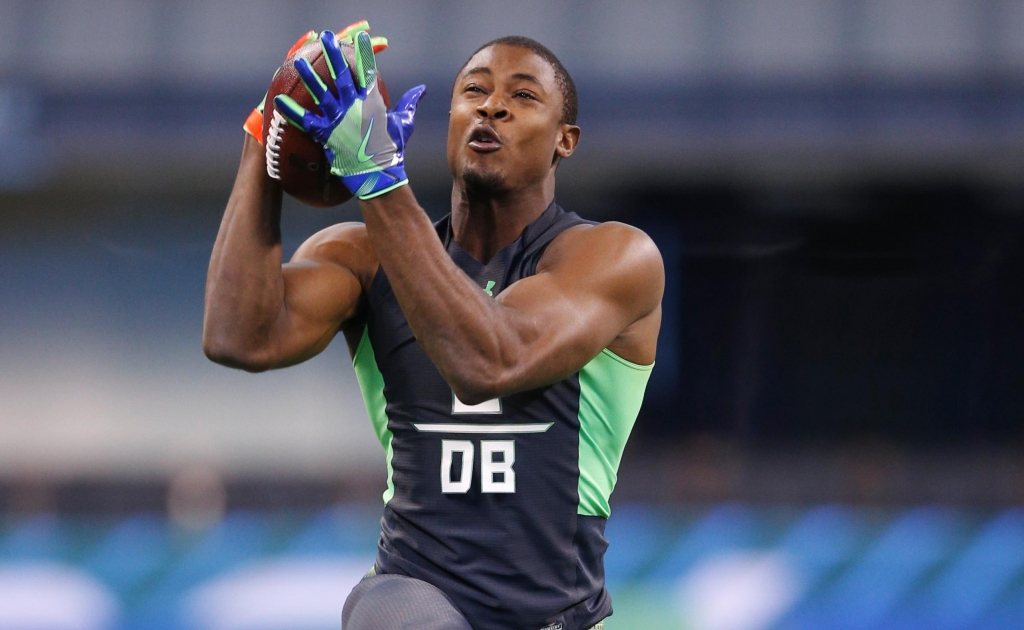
505, 127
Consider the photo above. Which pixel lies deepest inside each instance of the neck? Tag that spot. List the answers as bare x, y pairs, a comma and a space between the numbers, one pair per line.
484, 224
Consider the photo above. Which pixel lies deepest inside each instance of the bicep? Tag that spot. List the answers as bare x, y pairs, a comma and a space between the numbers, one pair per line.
318, 298
557, 328
322, 290
578, 305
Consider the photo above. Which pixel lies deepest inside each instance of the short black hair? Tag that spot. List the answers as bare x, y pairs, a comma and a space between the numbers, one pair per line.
570, 100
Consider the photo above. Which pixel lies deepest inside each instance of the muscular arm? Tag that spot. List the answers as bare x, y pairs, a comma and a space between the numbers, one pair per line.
259, 314
593, 283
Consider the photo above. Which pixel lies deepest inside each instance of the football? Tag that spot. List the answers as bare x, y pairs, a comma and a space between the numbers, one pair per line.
292, 156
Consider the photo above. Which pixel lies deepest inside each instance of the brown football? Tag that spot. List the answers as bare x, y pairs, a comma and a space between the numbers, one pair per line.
292, 156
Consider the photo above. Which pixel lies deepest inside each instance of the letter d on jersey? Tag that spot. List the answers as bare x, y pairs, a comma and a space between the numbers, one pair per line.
448, 450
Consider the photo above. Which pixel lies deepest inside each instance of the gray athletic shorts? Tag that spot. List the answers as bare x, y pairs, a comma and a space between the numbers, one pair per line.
397, 602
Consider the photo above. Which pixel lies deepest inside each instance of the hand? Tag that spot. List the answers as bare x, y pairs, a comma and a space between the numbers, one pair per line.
254, 123
369, 161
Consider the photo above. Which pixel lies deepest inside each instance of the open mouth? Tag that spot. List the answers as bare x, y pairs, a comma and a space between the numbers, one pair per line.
484, 140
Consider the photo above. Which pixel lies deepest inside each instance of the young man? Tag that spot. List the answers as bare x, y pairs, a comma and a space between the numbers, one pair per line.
502, 353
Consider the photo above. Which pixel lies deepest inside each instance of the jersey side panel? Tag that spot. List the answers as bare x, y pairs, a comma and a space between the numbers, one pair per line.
611, 392
371, 384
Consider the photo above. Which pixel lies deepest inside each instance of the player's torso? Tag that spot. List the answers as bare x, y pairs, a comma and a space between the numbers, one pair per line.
483, 501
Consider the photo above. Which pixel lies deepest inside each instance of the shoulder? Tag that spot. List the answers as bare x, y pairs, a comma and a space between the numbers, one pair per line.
612, 237
617, 255
343, 244
619, 267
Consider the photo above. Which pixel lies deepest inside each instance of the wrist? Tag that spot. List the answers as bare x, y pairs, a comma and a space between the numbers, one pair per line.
389, 202
253, 165
375, 183
384, 191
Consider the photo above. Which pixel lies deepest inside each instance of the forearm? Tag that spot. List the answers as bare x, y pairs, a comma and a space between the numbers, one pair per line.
464, 332
244, 284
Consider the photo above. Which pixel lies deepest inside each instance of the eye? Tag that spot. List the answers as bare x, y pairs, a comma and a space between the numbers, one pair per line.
474, 88
522, 94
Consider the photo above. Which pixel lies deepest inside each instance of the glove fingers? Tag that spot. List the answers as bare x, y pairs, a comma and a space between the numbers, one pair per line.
411, 99
350, 31
339, 68
332, 53
292, 111
300, 42
401, 120
366, 64
314, 84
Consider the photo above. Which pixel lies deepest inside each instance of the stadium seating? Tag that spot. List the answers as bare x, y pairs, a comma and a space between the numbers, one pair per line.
777, 568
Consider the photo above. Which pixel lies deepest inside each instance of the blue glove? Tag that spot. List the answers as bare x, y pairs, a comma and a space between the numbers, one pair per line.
368, 156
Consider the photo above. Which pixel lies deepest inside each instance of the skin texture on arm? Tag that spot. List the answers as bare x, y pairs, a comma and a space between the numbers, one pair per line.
596, 287
260, 314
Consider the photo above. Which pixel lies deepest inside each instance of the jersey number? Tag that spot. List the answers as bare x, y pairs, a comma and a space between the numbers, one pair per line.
496, 459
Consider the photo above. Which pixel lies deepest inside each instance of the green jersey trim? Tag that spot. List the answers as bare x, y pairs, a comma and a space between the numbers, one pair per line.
629, 364
611, 392
371, 384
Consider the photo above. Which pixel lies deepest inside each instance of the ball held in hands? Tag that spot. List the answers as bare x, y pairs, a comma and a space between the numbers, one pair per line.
362, 140
294, 158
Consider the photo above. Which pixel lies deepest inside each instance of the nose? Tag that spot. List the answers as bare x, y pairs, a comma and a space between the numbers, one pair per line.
494, 107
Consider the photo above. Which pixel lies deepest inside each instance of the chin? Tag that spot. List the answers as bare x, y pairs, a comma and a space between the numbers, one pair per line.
483, 183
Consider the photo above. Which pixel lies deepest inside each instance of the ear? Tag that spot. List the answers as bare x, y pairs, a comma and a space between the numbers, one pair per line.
568, 138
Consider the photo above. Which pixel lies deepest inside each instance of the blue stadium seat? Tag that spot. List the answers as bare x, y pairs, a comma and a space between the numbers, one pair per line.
37, 538
1006, 614
636, 534
132, 551
821, 539
240, 538
342, 530
985, 569
884, 575
725, 526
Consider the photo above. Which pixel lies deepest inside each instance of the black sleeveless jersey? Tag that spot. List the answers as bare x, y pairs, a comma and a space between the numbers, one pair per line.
501, 505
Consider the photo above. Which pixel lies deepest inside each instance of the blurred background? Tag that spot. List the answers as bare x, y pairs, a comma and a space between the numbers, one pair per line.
832, 437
